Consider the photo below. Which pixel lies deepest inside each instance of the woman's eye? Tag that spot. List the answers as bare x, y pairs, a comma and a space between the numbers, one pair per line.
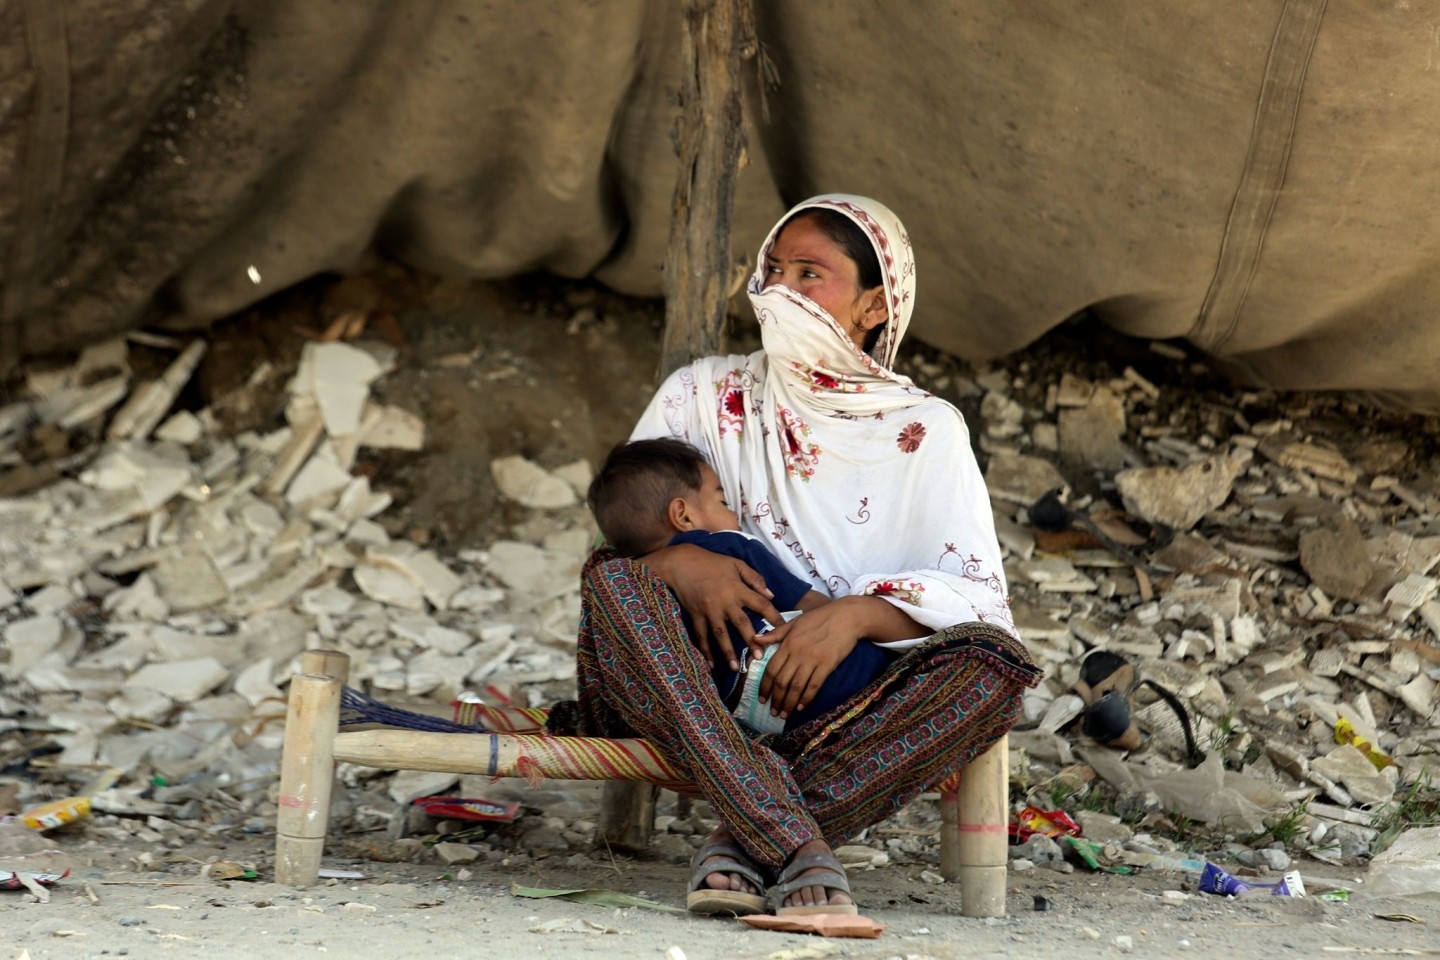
810, 275
772, 268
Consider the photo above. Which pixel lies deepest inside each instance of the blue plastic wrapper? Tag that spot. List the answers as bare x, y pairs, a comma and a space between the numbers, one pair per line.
1217, 881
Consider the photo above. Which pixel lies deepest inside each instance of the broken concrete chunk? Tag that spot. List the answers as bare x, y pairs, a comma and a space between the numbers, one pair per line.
530, 484
151, 401
139, 601
1354, 771
189, 581
1409, 594
1020, 479
181, 680
1091, 435
144, 704
436, 581
392, 428
321, 477
29, 641
339, 376
183, 428
1336, 559
1419, 695
1179, 498
1316, 460
388, 586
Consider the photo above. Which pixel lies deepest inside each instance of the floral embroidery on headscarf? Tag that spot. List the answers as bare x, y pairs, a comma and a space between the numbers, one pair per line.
910, 437
801, 456
731, 391
821, 379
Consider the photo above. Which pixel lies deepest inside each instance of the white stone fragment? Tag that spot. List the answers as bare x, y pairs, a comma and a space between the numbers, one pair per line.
1419, 695
182, 428
153, 475
8, 597
422, 567
321, 476
190, 581
1409, 594
181, 680
328, 600
52, 599
389, 586
144, 704
339, 375
139, 601
578, 474
255, 684
392, 428
530, 484
29, 641
150, 401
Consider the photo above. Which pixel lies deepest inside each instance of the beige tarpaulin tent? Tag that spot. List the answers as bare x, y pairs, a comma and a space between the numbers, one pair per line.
1259, 178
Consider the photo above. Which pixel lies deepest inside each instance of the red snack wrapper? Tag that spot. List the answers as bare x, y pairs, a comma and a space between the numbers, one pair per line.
1053, 823
466, 808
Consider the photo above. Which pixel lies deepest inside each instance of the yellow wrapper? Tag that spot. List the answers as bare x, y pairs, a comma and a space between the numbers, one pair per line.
56, 813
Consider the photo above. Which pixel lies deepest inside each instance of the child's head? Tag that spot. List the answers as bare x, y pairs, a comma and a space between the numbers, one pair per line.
647, 491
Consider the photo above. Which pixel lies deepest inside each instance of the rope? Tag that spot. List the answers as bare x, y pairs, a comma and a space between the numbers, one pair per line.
357, 707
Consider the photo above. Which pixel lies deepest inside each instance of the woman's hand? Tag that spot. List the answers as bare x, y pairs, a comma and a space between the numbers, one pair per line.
813, 645
716, 591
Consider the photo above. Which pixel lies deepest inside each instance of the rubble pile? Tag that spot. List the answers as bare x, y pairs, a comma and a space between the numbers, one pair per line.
1284, 591
158, 585
159, 578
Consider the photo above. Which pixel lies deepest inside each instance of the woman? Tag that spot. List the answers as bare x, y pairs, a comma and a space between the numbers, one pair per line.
867, 486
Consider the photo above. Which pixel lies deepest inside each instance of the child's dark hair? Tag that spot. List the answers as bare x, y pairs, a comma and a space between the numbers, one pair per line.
847, 235
634, 487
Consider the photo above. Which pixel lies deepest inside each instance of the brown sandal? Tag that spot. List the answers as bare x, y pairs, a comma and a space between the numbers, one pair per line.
724, 856
830, 875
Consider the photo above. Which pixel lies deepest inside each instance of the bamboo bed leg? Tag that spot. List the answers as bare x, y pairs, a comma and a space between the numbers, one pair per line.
979, 831
326, 663
627, 815
307, 772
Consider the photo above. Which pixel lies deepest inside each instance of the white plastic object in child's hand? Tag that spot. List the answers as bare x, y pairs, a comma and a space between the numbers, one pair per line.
750, 711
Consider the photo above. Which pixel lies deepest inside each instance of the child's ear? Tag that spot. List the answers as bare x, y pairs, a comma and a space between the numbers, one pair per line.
678, 513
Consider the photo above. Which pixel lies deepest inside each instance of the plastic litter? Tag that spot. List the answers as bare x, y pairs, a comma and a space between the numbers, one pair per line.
1052, 823
1215, 880
467, 808
56, 813
1345, 732
1409, 867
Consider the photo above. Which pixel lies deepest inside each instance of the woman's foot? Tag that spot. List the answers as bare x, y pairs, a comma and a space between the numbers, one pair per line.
723, 879
814, 882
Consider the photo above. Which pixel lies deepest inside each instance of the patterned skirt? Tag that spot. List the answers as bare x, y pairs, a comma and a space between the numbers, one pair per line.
938, 706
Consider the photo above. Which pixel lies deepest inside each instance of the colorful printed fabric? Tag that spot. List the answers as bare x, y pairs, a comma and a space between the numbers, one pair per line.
941, 704
864, 483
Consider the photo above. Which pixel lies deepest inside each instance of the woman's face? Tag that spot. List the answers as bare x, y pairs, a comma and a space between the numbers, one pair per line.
804, 259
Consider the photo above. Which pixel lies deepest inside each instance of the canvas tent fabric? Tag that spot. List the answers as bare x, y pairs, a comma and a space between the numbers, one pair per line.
1257, 179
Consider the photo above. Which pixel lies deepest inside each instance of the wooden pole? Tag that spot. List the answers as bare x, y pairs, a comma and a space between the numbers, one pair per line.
307, 772
710, 140
719, 37
979, 829
326, 663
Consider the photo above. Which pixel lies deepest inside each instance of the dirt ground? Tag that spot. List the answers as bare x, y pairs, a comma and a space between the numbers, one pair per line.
425, 911
557, 371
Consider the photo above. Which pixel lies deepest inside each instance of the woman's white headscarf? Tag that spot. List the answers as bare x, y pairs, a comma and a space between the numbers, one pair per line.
858, 479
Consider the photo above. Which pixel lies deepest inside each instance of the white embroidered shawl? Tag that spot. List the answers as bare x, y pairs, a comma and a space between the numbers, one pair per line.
861, 481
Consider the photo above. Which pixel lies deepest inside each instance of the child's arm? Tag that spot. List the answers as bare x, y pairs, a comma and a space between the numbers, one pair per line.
811, 600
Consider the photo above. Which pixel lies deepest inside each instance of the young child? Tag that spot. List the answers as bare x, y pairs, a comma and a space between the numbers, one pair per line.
650, 494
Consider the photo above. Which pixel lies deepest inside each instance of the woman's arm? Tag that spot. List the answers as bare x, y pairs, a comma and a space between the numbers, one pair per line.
716, 591
812, 646
811, 601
